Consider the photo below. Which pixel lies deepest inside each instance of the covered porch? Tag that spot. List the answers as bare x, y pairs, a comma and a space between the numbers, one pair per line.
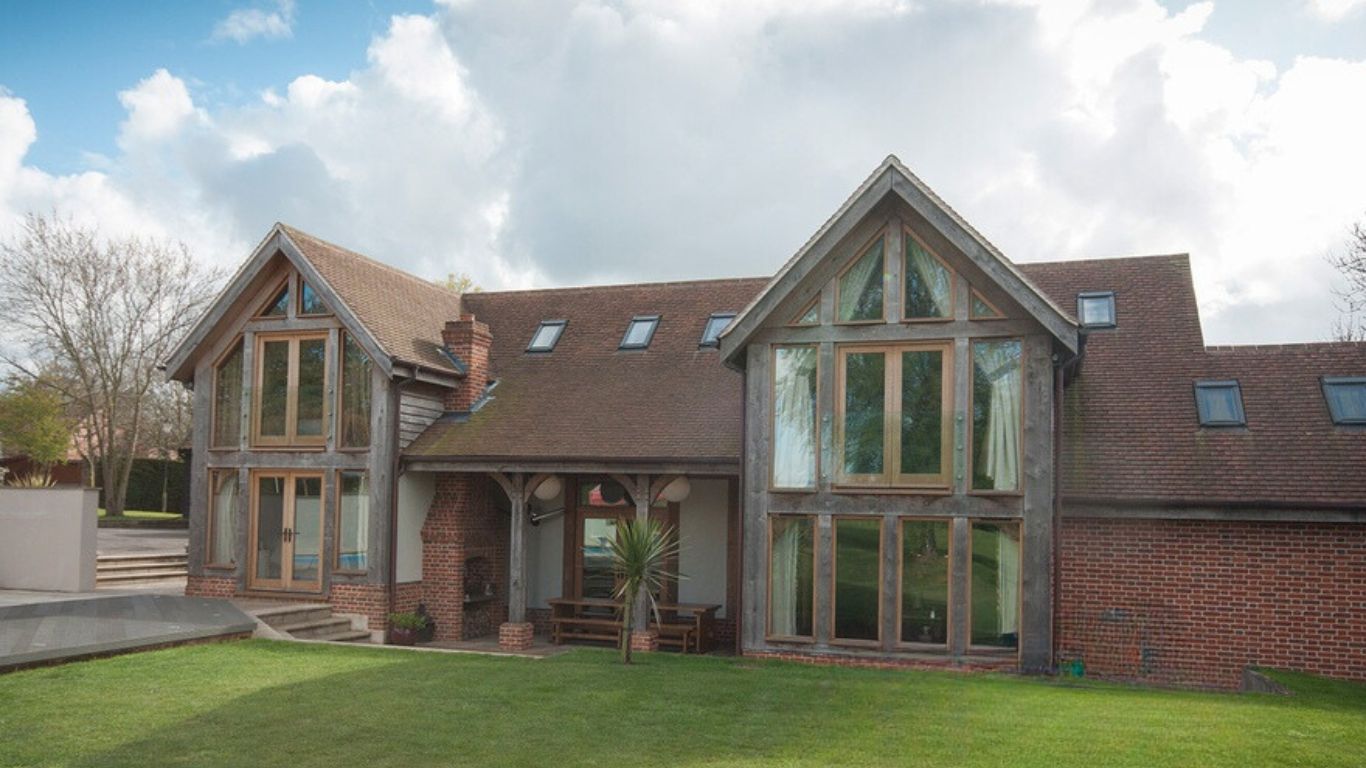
520, 552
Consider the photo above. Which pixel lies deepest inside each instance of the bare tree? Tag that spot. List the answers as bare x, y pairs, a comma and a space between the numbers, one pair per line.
105, 313
1351, 294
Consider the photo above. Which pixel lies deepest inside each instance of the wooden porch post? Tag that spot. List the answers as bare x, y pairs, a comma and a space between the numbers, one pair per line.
516, 634
642, 496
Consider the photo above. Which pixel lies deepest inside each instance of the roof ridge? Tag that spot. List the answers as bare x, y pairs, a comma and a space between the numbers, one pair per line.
293, 231
612, 286
1096, 259
1283, 345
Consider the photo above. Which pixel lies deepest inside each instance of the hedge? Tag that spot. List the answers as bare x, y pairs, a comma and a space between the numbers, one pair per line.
145, 483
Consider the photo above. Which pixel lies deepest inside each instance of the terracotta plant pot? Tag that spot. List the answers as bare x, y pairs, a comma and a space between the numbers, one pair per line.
400, 636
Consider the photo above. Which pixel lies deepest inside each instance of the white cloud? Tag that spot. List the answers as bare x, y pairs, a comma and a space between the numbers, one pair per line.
550, 143
1335, 10
246, 24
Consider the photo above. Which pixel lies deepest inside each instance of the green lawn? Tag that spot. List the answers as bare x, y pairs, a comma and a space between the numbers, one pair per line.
147, 514
259, 703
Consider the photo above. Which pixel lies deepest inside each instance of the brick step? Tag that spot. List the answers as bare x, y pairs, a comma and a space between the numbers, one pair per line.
316, 628
278, 616
125, 577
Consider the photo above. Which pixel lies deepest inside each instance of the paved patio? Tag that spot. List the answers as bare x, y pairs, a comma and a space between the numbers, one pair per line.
47, 627
130, 541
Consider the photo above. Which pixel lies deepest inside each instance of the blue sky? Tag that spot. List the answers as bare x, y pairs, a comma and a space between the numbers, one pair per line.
552, 142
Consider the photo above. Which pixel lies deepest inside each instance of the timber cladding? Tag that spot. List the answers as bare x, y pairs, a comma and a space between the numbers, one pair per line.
1191, 602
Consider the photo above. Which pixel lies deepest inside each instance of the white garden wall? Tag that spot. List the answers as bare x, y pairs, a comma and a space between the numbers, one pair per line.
47, 538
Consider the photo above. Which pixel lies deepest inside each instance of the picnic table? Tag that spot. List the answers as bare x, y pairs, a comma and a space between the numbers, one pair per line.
687, 626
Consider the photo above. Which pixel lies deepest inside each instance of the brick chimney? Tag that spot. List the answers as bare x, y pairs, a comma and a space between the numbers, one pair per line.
469, 340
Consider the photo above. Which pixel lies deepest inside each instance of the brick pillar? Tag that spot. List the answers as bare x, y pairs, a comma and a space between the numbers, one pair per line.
469, 340
515, 636
645, 641
443, 555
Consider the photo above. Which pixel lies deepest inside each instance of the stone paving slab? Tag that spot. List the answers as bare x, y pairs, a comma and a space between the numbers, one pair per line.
34, 630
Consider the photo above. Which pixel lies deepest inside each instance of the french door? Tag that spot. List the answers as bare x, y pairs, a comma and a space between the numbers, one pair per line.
286, 531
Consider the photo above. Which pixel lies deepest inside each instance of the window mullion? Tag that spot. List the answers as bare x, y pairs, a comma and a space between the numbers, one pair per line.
891, 446
292, 394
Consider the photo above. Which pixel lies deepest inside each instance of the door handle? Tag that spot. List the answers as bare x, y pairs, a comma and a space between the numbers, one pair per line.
287, 534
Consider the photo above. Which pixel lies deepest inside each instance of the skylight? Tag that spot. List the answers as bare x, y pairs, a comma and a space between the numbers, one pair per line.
1096, 309
1219, 404
711, 333
547, 335
1346, 398
639, 332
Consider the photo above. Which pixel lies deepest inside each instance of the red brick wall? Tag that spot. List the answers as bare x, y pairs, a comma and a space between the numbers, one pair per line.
469, 340
462, 524
210, 586
1191, 603
368, 600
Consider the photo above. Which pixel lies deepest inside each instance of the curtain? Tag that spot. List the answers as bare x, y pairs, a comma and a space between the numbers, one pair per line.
782, 606
928, 286
999, 452
860, 293
224, 513
794, 417
355, 522
1008, 581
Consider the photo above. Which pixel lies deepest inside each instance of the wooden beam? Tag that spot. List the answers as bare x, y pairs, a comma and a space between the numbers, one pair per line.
514, 485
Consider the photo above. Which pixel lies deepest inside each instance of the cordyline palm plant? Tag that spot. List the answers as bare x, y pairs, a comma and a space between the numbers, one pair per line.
641, 552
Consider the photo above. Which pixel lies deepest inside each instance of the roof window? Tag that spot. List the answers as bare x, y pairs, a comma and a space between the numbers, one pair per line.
1219, 404
547, 335
1346, 398
639, 332
711, 332
1096, 309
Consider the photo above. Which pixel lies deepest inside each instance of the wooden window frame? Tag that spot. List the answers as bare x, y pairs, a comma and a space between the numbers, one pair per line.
834, 580
769, 634
299, 299
905, 270
238, 345
891, 476
337, 527
285, 283
949, 613
996, 650
797, 318
971, 433
253, 505
291, 438
341, 444
839, 277
209, 562
773, 419
973, 293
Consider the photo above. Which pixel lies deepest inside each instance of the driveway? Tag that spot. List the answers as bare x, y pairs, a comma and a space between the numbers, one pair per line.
133, 541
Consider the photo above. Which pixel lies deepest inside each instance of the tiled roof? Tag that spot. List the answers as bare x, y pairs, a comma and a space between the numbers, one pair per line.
403, 312
588, 400
1130, 428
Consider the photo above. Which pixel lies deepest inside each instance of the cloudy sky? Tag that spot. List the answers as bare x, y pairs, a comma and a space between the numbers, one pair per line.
552, 143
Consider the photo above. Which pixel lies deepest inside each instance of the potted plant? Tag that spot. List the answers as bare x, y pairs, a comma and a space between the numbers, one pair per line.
405, 627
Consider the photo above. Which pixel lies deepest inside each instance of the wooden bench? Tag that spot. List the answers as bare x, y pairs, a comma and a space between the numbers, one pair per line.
597, 619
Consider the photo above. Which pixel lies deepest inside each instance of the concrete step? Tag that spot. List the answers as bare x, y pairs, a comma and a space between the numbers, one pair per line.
139, 565
181, 556
316, 628
125, 577
279, 616
347, 636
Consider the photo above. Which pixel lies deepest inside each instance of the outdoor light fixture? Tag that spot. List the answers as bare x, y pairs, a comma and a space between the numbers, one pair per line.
549, 488
677, 490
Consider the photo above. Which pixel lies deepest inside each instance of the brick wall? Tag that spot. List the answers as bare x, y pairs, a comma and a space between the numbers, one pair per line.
1191, 603
210, 586
368, 600
463, 524
470, 341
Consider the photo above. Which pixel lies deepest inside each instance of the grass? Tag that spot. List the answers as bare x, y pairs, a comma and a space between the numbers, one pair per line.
146, 514
258, 703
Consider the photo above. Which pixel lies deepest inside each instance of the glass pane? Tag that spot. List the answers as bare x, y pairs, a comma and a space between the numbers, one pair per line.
864, 406
598, 579
791, 573
996, 584
312, 364
223, 511
1346, 401
638, 333
794, 417
309, 303
712, 333
274, 387
857, 609
227, 401
353, 525
996, 413
307, 538
922, 412
929, 284
860, 288
355, 410
979, 308
270, 527
1219, 405
546, 336
811, 316
924, 581
1097, 310
279, 306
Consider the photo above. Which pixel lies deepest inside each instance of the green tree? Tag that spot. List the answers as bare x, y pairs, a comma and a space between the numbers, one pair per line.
459, 282
33, 423
640, 553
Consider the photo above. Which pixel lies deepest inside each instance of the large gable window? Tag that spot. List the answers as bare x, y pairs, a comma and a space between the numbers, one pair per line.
353, 522
355, 394
279, 303
929, 284
892, 425
856, 597
1219, 404
794, 417
994, 585
859, 291
1346, 398
997, 395
227, 400
791, 576
291, 402
309, 301
924, 608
